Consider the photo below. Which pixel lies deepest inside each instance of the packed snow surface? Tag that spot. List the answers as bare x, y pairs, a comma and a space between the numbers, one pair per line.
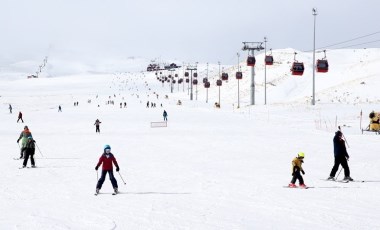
210, 168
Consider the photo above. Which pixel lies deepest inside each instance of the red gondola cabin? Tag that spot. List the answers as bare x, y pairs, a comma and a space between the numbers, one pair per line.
225, 76
239, 75
268, 60
297, 68
322, 66
251, 61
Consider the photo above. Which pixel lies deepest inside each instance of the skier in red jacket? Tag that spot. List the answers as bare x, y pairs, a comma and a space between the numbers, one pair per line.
107, 159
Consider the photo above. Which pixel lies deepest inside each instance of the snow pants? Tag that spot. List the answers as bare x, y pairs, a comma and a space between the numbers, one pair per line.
297, 175
103, 177
97, 129
340, 161
29, 152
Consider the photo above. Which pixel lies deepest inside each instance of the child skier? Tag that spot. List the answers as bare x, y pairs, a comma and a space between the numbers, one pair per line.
296, 171
107, 159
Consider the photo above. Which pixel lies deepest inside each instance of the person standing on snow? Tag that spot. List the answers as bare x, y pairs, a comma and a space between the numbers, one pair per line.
97, 123
296, 171
20, 117
59, 109
29, 151
24, 140
107, 159
341, 157
10, 108
165, 115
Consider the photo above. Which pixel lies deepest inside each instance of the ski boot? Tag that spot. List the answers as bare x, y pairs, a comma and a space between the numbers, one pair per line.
116, 190
33, 166
330, 178
291, 185
97, 191
348, 178
303, 186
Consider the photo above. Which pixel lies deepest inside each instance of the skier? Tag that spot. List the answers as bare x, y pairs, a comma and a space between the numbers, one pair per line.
24, 140
341, 157
97, 123
296, 171
10, 108
59, 109
165, 114
29, 151
20, 117
147, 104
107, 159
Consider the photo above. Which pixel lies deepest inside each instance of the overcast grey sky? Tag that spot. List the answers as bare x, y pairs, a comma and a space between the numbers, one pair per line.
193, 30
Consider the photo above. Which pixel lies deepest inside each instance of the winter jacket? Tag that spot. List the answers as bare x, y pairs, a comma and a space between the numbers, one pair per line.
24, 137
30, 144
340, 147
107, 160
97, 123
296, 162
30, 147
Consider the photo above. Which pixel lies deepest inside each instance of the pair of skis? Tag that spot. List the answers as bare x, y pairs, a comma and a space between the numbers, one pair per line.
27, 167
300, 187
114, 193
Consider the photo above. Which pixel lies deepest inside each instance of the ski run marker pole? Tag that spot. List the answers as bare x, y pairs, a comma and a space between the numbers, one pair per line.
122, 178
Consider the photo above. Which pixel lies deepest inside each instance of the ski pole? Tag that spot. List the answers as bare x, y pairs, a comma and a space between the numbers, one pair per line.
344, 137
122, 178
336, 178
39, 150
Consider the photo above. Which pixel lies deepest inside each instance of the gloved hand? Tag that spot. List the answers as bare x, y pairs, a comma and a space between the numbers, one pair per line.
117, 168
96, 168
18, 140
303, 172
292, 174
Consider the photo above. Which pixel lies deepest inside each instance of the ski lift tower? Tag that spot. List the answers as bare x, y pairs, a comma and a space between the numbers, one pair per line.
251, 47
191, 68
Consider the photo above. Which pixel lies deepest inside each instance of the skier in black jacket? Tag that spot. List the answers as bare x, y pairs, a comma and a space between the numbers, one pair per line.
30, 149
341, 157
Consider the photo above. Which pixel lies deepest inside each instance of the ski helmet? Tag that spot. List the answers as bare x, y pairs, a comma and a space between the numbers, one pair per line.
107, 147
301, 154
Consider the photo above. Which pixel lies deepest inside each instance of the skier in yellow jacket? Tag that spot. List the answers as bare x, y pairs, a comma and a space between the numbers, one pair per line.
297, 170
